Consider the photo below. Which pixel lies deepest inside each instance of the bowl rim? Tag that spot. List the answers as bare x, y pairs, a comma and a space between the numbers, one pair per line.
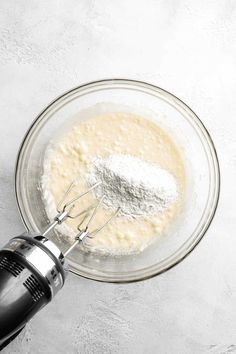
102, 276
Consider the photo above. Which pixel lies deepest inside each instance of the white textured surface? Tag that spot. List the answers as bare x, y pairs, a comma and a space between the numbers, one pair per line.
186, 47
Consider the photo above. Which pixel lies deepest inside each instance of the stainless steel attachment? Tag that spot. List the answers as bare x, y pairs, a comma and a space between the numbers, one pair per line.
65, 209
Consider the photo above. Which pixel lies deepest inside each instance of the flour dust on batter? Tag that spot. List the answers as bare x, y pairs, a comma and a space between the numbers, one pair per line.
114, 138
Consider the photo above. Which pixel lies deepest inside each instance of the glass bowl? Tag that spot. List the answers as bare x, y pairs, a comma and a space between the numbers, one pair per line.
195, 145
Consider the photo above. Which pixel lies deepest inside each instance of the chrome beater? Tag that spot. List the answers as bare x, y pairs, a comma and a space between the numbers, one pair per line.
65, 212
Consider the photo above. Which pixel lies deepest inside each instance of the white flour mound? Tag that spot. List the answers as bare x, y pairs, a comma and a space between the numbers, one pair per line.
136, 186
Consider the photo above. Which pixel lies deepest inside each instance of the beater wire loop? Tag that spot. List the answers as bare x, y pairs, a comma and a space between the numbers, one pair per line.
64, 210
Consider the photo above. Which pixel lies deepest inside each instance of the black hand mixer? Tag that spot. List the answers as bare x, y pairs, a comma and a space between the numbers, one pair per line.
33, 269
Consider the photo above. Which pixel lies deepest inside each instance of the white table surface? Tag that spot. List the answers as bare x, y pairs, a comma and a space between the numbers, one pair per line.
189, 49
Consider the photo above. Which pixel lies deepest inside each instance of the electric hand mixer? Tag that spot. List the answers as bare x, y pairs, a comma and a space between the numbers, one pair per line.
33, 269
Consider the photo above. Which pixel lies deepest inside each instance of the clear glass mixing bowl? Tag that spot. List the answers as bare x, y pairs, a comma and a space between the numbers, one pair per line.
197, 149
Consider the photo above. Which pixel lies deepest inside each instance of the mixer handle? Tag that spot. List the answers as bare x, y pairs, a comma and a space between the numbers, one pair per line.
32, 271
8, 341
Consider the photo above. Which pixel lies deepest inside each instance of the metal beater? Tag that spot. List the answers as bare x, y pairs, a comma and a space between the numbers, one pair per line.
33, 269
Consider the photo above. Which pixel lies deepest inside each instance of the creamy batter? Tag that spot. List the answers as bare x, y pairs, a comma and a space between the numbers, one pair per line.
71, 156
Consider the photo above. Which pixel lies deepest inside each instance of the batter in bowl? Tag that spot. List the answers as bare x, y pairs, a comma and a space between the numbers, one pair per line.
101, 137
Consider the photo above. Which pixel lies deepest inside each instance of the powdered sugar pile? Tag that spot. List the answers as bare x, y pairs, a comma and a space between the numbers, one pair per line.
136, 186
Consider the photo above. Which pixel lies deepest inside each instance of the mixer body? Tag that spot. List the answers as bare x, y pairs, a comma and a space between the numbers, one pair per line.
32, 271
